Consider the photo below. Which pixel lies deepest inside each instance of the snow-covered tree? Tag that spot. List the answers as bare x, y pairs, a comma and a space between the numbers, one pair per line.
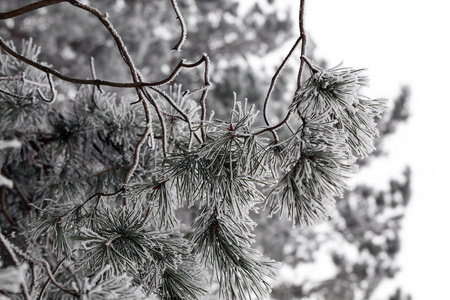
95, 198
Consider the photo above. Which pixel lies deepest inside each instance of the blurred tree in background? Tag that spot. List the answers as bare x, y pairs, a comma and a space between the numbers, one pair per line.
360, 242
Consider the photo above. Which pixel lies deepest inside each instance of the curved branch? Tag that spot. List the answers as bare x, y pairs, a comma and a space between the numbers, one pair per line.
274, 79
28, 8
99, 82
275, 127
180, 19
52, 90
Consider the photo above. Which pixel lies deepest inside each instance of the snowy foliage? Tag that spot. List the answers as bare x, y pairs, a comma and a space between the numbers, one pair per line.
110, 178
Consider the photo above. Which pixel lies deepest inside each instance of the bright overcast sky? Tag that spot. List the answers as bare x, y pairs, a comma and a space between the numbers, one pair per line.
403, 42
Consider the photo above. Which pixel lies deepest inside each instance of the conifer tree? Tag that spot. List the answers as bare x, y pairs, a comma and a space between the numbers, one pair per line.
92, 185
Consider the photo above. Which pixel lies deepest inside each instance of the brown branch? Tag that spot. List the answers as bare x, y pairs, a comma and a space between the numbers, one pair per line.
203, 97
138, 147
303, 37
274, 79
52, 90
99, 195
12, 78
313, 68
115, 35
53, 280
94, 75
15, 95
98, 82
28, 8
180, 19
275, 127
44, 287
161, 121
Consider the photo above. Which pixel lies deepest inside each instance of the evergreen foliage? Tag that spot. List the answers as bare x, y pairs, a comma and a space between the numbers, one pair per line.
95, 187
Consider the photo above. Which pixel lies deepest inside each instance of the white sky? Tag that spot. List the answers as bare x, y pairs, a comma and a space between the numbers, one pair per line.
403, 42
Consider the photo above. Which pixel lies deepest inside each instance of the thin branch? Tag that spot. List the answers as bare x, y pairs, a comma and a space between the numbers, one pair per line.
180, 19
275, 127
303, 37
179, 110
103, 18
16, 96
33, 278
274, 79
44, 287
313, 68
173, 104
97, 195
94, 74
161, 121
29, 8
203, 97
138, 147
53, 280
98, 82
52, 90
12, 78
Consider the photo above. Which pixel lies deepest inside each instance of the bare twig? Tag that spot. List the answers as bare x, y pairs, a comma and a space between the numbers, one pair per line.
16, 96
138, 147
303, 37
275, 127
274, 79
313, 68
161, 121
52, 90
44, 287
203, 97
97, 195
53, 280
94, 74
29, 8
100, 195
98, 82
12, 78
180, 19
